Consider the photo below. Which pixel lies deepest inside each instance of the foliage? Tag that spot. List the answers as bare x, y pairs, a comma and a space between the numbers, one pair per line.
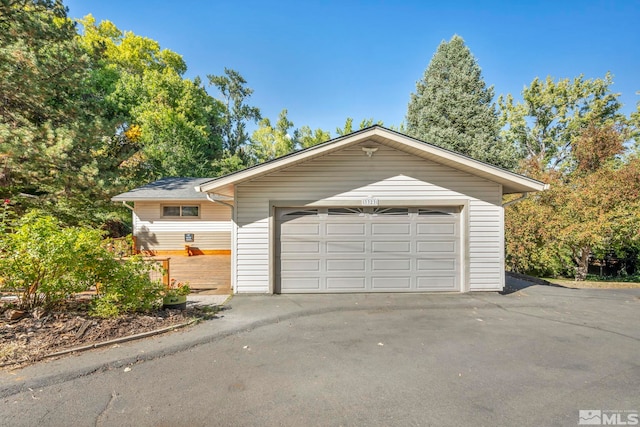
236, 114
227, 164
305, 137
176, 289
49, 123
544, 126
269, 142
127, 288
531, 246
348, 125
175, 124
163, 124
85, 116
634, 128
6, 216
590, 209
126, 51
452, 107
347, 128
46, 263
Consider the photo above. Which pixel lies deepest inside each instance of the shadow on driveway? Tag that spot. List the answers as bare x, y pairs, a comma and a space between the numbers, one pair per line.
515, 282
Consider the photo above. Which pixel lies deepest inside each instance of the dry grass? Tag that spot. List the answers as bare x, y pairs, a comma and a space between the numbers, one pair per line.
589, 284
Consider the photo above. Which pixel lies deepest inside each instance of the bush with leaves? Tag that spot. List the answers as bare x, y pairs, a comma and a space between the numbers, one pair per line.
127, 288
45, 264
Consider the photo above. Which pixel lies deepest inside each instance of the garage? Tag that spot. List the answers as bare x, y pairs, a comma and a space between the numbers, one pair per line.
372, 211
368, 249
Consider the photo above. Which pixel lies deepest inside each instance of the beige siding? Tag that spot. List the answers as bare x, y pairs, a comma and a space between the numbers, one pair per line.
389, 175
211, 231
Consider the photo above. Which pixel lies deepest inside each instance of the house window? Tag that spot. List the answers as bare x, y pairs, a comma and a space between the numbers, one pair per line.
178, 211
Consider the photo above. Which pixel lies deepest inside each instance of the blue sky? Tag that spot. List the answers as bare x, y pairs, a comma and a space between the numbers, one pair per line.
325, 61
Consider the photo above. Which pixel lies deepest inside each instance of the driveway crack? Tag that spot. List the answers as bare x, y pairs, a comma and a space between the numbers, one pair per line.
566, 322
107, 407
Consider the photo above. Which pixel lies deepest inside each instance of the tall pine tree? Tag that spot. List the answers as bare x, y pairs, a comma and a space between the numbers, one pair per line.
453, 108
49, 123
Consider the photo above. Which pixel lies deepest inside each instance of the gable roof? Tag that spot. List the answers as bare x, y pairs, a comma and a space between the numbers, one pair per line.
511, 182
165, 189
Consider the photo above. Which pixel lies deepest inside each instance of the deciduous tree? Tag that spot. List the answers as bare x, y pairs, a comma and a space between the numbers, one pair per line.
364, 123
305, 137
591, 209
269, 142
162, 123
572, 136
553, 114
237, 113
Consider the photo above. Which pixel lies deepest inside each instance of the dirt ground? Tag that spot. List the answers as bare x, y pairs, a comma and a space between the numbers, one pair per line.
39, 335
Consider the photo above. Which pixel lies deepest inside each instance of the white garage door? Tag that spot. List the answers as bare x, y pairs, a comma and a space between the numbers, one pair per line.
367, 249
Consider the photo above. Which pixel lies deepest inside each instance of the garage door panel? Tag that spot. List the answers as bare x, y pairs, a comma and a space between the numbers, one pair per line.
335, 247
395, 229
346, 283
429, 229
295, 246
298, 229
302, 284
378, 246
346, 228
436, 247
300, 265
436, 282
435, 264
334, 265
390, 283
399, 264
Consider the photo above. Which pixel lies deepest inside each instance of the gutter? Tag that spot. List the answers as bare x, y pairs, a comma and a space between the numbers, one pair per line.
128, 206
221, 201
524, 196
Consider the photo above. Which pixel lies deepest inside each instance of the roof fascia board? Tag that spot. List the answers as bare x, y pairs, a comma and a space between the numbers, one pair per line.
436, 153
155, 199
294, 158
472, 163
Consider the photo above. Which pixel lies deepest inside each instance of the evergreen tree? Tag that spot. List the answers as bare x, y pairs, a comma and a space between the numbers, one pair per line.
49, 127
453, 108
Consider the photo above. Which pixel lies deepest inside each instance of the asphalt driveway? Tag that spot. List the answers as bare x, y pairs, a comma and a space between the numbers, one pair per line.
533, 357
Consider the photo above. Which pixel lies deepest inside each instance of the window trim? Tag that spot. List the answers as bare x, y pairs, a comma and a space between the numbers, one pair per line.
181, 206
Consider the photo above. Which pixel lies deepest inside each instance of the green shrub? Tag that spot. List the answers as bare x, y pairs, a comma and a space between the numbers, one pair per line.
45, 263
128, 288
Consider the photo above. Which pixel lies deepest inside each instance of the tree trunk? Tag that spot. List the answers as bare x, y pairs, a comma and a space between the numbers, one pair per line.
582, 260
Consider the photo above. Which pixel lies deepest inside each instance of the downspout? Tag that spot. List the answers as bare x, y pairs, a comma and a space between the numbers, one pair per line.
233, 246
134, 238
519, 199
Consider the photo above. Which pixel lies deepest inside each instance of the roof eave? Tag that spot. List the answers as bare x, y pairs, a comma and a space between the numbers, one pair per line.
285, 161
156, 199
511, 182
